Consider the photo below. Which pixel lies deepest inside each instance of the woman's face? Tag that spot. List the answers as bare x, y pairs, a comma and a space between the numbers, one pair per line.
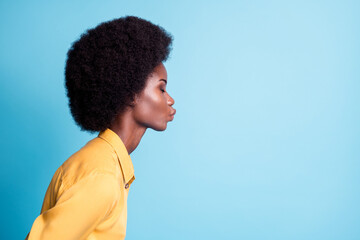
153, 106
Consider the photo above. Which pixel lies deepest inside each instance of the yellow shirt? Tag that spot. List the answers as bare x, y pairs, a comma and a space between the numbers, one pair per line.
87, 196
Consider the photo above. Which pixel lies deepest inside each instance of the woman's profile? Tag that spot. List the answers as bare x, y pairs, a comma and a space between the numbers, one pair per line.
116, 85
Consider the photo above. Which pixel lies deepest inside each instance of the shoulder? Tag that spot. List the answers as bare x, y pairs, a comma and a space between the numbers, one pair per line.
97, 156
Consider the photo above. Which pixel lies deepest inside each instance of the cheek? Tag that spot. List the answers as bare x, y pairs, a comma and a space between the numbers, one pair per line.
153, 105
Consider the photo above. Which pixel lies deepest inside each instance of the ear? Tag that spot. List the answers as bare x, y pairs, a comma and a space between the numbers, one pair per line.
134, 101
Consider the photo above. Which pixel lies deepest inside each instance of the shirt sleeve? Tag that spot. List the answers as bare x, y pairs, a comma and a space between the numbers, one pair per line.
79, 209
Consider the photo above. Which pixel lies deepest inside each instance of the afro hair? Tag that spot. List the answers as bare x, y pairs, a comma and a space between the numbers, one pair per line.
108, 65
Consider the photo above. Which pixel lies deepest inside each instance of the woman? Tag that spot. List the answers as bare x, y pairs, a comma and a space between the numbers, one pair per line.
116, 85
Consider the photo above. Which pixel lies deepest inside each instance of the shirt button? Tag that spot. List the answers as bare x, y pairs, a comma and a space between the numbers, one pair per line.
126, 186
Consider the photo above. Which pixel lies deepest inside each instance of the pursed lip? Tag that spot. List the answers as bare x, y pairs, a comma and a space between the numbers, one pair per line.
173, 113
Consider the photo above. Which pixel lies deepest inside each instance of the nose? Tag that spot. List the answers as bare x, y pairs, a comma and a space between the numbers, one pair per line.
170, 100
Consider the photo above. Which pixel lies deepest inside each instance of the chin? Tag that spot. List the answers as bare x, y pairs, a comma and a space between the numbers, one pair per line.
160, 128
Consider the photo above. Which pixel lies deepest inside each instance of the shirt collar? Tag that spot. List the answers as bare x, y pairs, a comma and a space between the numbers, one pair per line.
123, 156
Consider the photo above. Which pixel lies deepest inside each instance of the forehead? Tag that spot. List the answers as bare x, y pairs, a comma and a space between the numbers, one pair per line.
155, 77
160, 71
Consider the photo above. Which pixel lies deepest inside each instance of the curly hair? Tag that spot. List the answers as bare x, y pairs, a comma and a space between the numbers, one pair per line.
108, 65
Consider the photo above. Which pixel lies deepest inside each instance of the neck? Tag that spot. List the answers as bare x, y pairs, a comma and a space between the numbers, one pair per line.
128, 130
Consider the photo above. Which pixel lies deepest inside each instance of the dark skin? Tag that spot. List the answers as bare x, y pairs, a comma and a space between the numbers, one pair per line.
152, 108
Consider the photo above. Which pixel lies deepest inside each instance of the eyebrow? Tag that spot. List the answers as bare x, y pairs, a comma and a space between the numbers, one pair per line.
163, 80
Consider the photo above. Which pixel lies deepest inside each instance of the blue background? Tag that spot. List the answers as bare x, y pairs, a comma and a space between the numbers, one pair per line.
266, 140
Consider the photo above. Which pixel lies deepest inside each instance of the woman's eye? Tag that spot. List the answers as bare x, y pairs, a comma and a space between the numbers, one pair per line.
162, 90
